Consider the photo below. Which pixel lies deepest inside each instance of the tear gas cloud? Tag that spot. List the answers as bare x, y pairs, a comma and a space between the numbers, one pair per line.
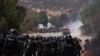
75, 28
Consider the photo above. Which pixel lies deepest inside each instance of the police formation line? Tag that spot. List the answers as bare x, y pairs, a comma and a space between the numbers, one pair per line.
14, 45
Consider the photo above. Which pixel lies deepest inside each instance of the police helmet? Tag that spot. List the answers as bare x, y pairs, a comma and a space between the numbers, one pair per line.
13, 31
25, 35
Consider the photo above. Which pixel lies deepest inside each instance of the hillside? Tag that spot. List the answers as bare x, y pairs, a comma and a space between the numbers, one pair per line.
55, 7
52, 4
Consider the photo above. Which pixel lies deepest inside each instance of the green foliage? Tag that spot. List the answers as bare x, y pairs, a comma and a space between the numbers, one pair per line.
21, 13
62, 20
91, 16
86, 30
11, 13
54, 20
43, 17
33, 19
3, 26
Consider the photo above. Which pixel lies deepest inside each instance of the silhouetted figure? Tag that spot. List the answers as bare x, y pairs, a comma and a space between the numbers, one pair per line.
1, 44
69, 47
11, 46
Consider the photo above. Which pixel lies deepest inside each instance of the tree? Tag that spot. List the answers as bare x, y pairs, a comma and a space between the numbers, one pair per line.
54, 20
62, 20
10, 12
3, 26
43, 17
33, 19
90, 16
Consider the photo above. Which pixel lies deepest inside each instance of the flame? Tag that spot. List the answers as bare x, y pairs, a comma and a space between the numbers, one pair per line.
86, 53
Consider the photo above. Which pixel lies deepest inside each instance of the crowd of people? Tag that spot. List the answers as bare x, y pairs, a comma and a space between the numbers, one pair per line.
24, 45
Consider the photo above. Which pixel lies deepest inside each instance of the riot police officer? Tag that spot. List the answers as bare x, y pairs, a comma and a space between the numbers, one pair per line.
1, 44
11, 45
39, 45
23, 39
54, 47
69, 47
32, 47
46, 48
78, 47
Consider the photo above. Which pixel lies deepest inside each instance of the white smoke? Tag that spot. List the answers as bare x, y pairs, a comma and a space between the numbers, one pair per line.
75, 28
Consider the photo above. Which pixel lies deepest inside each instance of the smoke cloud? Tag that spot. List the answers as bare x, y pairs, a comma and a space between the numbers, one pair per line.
75, 28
